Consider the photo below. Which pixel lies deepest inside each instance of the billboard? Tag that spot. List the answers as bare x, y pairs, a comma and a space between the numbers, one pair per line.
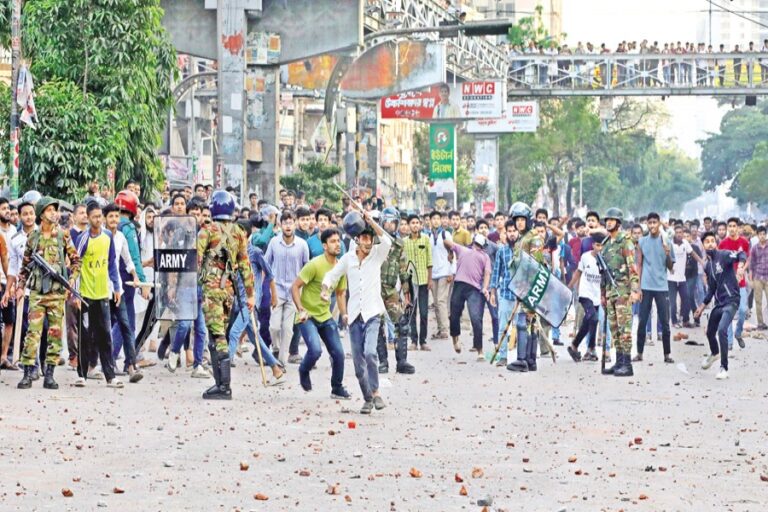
519, 116
467, 100
442, 151
310, 73
393, 67
311, 27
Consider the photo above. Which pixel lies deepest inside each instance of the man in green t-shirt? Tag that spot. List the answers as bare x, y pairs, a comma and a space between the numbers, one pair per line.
314, 315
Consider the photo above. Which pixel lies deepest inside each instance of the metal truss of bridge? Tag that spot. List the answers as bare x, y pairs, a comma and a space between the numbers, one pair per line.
707, 74
471, 58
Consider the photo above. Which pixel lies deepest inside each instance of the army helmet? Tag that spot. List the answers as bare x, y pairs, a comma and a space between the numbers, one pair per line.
615, 214
390, 214
520, 209
222, 205
42, 204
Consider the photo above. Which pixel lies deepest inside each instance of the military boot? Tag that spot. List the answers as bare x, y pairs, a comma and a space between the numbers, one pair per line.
48, 382
26, 380
222, 391
530, 357
401, 356
215, 369
612, 369
625, 370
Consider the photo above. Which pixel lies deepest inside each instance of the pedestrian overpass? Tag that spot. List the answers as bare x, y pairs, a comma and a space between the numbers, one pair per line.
621, 74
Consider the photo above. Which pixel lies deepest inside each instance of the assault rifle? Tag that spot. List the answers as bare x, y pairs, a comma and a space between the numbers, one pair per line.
48, 271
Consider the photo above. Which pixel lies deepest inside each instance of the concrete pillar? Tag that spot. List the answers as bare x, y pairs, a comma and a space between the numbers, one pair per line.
231, 31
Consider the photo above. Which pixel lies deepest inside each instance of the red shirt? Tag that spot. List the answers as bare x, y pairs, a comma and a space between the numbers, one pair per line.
575, 244
729, 244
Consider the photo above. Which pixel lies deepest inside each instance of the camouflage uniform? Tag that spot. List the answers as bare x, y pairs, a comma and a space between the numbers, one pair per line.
222, 248
527, 336
619, 256
395, 268
46, 296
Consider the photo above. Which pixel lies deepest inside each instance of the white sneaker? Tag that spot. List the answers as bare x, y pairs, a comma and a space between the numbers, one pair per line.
709, 361
722, 374
173, 361
80, 382
115, 383
200, 373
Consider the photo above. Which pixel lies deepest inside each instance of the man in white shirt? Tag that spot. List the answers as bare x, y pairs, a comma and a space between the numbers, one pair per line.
442, 274
676, 279
363, 270
7, 312
588, 278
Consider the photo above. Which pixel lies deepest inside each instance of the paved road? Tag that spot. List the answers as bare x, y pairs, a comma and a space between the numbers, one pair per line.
564, 438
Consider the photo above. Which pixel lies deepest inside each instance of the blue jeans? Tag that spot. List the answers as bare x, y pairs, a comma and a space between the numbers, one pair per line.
124, 327
314, 331
182, 332
505, 312
241, 323
741, 316
494, 311
363, 338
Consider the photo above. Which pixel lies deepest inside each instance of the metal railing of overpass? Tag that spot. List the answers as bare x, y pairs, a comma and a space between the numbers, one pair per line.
471, 58
621, 74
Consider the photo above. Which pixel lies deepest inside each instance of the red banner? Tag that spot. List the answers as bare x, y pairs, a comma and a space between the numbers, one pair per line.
410, 105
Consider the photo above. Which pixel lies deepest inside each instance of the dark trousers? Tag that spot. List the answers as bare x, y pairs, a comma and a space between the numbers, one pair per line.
71, 314
662, 308
680, 289
494, 311
588, 324
264, 315
421, 304
466, 293
717, 329
96, 336
690, 284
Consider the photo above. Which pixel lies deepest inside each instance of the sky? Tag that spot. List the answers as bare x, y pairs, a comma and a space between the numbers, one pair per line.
611, 21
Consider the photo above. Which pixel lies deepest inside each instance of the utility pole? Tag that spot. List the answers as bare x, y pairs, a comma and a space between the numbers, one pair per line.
15, 63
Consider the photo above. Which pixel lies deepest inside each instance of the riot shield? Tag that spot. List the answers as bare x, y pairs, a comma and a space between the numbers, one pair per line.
538, 290
175, 267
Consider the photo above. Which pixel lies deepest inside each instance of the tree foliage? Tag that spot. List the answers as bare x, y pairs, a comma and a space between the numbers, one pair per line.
317, 180
724, 154
74, 138
116, 56
620, 162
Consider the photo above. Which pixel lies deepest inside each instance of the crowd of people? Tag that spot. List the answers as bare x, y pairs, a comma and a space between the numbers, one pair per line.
643, 64
271, 276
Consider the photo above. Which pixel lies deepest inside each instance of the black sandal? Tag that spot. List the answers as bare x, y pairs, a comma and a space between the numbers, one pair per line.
574, 353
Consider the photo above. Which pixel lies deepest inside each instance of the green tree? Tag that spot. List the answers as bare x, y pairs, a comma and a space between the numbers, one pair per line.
119, 57
724, 154
751, 184
74, 138
317, 179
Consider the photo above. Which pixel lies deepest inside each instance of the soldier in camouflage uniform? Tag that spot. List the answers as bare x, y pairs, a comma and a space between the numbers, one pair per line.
620, 290
47, 297
395, 268
529, 242
222, 249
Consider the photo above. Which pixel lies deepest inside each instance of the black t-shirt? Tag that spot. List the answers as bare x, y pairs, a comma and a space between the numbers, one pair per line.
691, 265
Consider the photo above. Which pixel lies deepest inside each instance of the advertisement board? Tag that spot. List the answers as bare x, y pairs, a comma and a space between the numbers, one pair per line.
393, 67
442, 151
467, 100
518, 117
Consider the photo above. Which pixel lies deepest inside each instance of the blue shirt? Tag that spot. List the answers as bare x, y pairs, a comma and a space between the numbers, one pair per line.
501, 276
654, 276
262, 274
316, 247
